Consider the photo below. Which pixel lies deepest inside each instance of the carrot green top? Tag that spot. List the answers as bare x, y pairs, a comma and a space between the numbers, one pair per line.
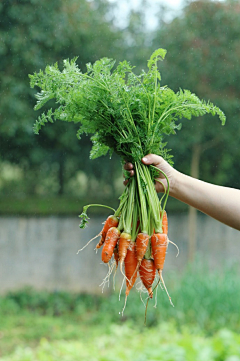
123, 112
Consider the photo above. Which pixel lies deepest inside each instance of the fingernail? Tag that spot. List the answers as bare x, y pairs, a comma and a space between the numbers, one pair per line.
144, 159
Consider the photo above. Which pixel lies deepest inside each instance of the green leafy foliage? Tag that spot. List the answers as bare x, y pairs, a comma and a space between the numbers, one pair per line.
126, 113
203, 325
205, 299
84, 220
164, 343
34, 34
203, 57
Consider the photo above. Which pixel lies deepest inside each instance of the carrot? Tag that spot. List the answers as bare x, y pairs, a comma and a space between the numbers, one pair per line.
159, 248
111, 240
141, 245
142, 241
123, 245
159, 242
147, 272
111, 221
130, 263
165, 223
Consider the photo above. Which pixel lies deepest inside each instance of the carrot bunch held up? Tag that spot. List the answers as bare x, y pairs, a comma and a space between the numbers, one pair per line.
130, 115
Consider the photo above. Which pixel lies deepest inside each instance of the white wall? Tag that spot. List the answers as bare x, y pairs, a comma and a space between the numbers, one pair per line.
42, 252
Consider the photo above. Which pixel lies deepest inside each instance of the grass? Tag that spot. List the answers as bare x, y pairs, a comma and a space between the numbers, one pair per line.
63, 205
51, 326
44, 206
123, 343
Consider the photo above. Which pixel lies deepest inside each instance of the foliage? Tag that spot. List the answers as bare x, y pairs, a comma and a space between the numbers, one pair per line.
45, 206
203, 325
65, 205
161, 344
34, 34
201, 56
204, 57
126, 113
206, 300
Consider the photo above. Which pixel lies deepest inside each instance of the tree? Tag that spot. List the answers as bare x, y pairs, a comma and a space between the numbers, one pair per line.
138, 40
203, 56
33, 34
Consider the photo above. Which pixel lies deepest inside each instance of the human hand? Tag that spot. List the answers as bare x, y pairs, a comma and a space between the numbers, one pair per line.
161, 183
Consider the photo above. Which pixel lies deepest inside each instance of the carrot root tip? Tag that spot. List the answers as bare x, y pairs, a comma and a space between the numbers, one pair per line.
162, 280
150, 292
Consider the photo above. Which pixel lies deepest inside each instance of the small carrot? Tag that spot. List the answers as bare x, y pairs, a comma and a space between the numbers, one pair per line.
147, 272
111, 221
130, 263
159, 243
142, 241
123, 245
165, 223
141, 245
111, 240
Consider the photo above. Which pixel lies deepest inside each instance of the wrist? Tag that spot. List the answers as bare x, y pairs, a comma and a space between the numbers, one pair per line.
175, 183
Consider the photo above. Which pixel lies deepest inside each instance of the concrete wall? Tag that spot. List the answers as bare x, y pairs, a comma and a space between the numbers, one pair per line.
42, 252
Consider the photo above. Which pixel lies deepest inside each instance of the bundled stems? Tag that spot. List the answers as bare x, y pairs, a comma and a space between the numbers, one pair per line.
166, 192
130, 205
142, 200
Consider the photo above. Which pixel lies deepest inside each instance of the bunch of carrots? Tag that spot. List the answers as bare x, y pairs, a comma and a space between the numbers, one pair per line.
131, 252
132, 237
130, 115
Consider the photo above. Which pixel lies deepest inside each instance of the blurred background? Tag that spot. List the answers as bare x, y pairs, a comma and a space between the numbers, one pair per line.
51, 304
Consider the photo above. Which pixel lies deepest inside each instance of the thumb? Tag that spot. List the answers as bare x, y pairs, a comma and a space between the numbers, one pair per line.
152, 159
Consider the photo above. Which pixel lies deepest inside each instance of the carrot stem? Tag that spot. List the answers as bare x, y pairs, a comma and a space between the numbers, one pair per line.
96, 205
123, 199
142, 200
167, 193
121, 224
153, 201
134, 230
84, 215
130, 206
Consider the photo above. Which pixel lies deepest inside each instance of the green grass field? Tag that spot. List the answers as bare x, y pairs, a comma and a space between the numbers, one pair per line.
204, 325
64, 205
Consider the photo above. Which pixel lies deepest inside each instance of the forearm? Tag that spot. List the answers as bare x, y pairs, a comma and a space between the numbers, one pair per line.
221, 203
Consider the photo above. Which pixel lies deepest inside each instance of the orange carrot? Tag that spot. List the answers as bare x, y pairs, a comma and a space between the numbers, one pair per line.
123, 245
159, 248
111, 240
159, 242
130, 263
165, 223
111, 221
142, 241
147, 272
164, 226
141, 245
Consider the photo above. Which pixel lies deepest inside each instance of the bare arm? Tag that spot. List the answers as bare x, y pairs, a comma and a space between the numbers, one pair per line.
221, 203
